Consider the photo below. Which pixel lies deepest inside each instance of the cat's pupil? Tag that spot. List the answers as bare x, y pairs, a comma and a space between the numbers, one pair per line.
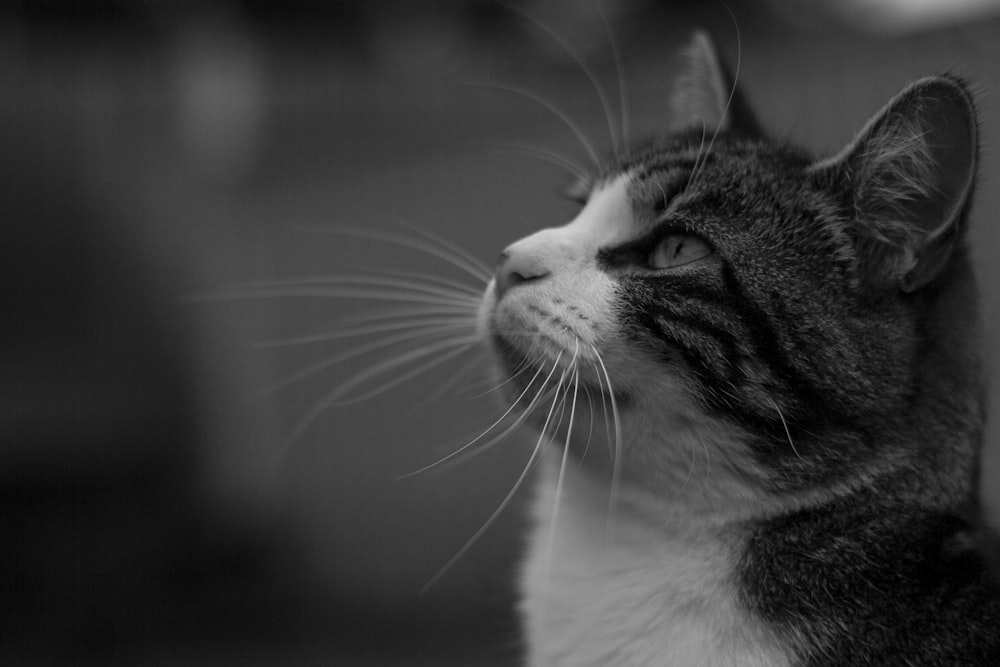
677, 250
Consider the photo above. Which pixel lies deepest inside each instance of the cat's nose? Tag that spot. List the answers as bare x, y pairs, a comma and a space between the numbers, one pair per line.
516, 268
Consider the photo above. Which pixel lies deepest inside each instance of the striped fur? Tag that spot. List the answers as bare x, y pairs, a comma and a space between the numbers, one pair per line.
823, 362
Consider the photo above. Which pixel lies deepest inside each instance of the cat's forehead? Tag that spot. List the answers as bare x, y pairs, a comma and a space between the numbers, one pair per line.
728, 174
638, 194
681, 157
610, 211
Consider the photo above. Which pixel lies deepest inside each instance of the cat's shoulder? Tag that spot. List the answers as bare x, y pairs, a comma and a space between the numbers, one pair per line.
897, 585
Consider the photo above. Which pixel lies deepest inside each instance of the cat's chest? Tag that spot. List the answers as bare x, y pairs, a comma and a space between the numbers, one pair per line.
641, 597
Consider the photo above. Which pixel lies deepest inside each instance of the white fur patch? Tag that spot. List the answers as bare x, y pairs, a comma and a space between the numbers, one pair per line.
642, 593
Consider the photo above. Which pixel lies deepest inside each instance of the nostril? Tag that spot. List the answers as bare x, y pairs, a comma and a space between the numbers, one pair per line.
501, 260
508, 279
505, 280
516, 269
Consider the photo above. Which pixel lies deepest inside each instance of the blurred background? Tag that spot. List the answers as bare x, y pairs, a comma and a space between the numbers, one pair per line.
154, 506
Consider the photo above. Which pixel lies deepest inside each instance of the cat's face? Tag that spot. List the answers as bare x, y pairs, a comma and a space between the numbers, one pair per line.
738, 313
662, 288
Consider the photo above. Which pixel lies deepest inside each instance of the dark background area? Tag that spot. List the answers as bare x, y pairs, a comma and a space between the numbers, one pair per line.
151, 510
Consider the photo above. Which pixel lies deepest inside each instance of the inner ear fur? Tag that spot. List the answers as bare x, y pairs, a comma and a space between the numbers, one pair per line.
705, 96
909, 175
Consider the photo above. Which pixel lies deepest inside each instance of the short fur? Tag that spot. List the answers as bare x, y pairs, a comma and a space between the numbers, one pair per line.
790, 476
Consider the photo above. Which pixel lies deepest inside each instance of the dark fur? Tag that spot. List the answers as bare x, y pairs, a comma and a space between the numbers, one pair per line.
875, 579
837, 324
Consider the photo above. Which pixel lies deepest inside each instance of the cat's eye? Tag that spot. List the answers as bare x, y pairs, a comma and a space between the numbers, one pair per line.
676, 250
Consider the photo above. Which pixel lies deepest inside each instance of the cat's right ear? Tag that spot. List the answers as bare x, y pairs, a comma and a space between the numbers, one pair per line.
909, 176
705, 96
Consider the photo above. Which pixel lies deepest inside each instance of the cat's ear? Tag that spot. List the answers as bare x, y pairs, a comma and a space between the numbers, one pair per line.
705, 96
909, 174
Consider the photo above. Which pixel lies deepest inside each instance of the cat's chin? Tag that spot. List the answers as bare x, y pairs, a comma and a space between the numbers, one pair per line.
523, 375
512, 362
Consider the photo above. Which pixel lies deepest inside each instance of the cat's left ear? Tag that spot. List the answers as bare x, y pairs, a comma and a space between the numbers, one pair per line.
705, 96
909, 175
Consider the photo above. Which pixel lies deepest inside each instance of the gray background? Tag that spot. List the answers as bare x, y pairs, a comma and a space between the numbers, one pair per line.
153, 153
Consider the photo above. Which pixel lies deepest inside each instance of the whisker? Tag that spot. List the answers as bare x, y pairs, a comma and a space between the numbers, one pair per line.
788, 433
598, 88
562, 115
400, 312
697, 158
475, 291
554, 518
616, 465
542, 396
736, 78
340, 334
619, 70
400, 379
570, 368
445, 252
690, 473
329, 292
333, 397
496, 386
397, 361
493, 425
352, 354
572, 408
562, 394
604, 407
522, 365
708, 462
546, 155
590, 428
446, 387
463, 294
454, 248
503, 504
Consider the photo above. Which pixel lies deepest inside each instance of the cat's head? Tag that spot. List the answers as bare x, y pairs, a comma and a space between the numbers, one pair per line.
765, 322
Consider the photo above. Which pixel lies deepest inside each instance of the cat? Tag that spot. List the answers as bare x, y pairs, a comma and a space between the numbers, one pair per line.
805, 329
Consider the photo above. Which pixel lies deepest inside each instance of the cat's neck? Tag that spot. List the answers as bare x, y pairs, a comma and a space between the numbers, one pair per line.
590, 558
